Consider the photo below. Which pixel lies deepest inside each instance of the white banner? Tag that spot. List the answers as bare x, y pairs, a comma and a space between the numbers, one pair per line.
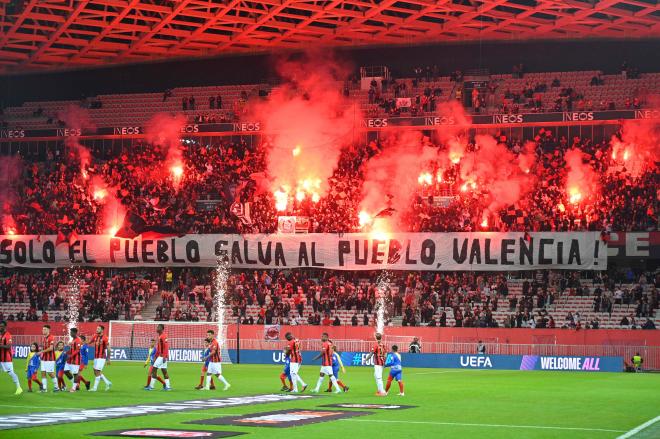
351, 251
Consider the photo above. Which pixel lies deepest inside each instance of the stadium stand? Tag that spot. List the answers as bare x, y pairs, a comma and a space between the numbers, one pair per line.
61, 192
504, 92
548, 300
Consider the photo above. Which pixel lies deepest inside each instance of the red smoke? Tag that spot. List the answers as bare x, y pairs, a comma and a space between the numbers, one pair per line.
527, 157
311, 121
495, 171
112, 210
391, 178
454, 121
637, 150
164, 130
10, 171
77, 119
581, 179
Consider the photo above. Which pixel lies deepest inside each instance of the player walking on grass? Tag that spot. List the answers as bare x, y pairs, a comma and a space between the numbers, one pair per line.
32, 366
286, 374
48, 360
336, 366
60, 362
295, 354
206, 358
326, 364
151, 357
101, 357
72, 367
84, 360
378, 354
161, 359
6, 356
396, 371
215, 365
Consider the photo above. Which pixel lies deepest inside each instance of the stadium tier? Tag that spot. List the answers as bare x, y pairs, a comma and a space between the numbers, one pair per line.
551, 300
496, 94
316, 219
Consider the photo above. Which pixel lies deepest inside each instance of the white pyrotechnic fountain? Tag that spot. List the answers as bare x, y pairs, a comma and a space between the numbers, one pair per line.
73, 297
222, 270
382, 286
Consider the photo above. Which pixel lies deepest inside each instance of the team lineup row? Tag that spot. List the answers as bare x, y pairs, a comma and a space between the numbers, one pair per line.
58, 363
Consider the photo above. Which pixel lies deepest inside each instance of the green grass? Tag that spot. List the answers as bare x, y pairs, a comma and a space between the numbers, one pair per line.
498, 404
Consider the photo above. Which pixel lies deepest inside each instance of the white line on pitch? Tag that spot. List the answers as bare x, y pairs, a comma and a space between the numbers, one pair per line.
461, 424
40, 407
101, 408
639, 428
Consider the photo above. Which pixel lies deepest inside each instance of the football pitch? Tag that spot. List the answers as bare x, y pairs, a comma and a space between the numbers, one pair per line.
446, 403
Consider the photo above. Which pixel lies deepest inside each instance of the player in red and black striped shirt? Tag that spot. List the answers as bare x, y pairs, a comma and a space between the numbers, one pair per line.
72, 367
47, 354
215, 365
6, 356
326, 364
163, 352
101, 357
294, 352
378, 354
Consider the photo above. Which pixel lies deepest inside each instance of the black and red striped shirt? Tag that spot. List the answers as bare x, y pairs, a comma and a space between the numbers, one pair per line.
100, 346
379, 354
73, 356
49, 342
5, 353
294, 351
163, 346
216, 354
326, 353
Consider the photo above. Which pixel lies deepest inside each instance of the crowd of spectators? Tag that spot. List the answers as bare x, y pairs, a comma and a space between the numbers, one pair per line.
62, 193
464, 299
102, 297
412, 299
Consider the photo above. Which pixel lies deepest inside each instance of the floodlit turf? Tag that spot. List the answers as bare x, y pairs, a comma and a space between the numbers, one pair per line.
451, 403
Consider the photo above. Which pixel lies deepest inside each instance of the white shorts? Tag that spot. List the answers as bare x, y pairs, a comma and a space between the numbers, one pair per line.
378, 371
160, 363
294, 368
99, 363
7, 367
48, 366
73, 368
327, 370
214, 369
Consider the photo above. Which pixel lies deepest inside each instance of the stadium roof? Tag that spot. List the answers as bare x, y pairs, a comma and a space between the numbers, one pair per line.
57, 34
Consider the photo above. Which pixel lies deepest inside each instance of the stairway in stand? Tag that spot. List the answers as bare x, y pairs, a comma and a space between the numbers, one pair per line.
149, 310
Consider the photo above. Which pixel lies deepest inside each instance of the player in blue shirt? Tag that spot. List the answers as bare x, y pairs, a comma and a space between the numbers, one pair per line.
60, 362
84, 359
396, 371
336, 366
206, 357
33, 365
286, 375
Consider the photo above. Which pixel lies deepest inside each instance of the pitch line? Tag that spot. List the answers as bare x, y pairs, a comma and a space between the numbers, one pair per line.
639, 428
461, 424
37, 407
